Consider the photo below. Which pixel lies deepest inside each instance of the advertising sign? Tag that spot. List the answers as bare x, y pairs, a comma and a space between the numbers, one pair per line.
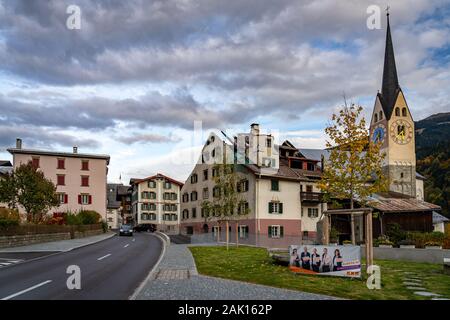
343, 261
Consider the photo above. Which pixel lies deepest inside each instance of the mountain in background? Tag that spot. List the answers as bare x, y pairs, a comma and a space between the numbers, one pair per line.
433, 158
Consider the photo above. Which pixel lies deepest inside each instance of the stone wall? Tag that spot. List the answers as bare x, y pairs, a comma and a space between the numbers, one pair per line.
22, 240
87, 233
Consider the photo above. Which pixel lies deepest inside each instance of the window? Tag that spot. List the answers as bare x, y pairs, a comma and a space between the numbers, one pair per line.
310, 166
185, 214
173, 217
243, 231
194, 213
275, 207
309, 188
214, 172
205, 174
313, 212
185, 197
274, 185
275, 231
62, 198
61, 164
242, 186
269, 142
110, 219
397, 112
174, 196
152, 195
85, 181
401, 175
85, 165
84, 199
381, 115
376, 117
194, 196
35, 162
167, 196
404, 112
216, 192
173, 207
61, 180
151, 184
167, 185
194, 178
243, 207
205, 193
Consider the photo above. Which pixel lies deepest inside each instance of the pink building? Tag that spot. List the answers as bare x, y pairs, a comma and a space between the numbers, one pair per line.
80, 178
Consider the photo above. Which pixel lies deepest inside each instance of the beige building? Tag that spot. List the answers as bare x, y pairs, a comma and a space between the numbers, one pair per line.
80, 178
156, 200
276, 183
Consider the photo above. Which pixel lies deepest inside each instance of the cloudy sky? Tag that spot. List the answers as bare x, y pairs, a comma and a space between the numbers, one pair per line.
137, 75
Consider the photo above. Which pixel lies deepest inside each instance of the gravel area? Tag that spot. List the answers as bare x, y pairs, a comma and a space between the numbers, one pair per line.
198, 287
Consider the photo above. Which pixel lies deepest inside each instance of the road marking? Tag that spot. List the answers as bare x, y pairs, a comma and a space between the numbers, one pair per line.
5, 263
133, 240
26, 290
126, 245
101, 258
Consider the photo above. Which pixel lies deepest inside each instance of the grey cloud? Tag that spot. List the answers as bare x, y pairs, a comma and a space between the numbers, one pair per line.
147, 138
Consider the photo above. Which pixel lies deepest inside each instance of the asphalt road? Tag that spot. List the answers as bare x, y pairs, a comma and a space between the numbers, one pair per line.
110, 269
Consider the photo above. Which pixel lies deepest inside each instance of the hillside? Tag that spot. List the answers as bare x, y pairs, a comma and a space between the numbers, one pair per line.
433, 158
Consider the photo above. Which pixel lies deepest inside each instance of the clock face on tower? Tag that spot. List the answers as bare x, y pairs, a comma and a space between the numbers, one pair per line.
401, 131
379, 133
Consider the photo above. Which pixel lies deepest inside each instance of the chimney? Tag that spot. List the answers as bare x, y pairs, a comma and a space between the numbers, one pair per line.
18, 143
75, 149
254, 129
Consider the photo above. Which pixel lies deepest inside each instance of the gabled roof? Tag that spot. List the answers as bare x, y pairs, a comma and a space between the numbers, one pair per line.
390, 87
111, 195
156, 176
59, 154
392, 202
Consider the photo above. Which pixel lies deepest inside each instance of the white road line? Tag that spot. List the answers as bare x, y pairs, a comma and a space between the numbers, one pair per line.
133, 240
126, 245
26, 290
6, 263
101, 258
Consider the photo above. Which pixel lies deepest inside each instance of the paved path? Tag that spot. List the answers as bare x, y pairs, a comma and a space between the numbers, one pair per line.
176, 277
62, 245
110, 269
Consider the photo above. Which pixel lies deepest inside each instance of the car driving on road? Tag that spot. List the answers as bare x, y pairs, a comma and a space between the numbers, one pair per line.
125, 230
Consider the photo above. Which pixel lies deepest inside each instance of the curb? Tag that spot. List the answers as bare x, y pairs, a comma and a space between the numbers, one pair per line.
55, 253
153, 270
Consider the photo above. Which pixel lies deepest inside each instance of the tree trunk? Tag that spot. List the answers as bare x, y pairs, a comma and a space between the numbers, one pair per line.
352, 218
227, 234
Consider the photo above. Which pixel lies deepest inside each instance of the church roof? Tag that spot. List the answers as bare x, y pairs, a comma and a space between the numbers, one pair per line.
390, 87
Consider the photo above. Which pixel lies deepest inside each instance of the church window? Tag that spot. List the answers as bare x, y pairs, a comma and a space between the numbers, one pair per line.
397, 112
404, 112
376, 117
381, 115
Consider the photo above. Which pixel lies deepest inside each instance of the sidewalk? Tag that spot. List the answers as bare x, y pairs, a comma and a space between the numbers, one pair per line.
176, 278
63, 245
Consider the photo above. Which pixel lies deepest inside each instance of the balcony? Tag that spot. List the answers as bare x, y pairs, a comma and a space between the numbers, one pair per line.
311, 196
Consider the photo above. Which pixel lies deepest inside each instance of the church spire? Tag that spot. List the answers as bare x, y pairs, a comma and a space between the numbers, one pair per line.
390, 87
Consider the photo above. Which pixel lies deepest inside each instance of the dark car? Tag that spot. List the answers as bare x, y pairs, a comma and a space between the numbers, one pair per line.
145, 227
125, 230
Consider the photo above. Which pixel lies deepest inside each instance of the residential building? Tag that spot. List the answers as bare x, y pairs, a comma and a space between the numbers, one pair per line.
278, 185
156, 200
113, 207
124, 196
80, 178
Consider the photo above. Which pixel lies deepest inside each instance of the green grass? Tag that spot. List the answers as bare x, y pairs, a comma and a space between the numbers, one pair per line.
255, 266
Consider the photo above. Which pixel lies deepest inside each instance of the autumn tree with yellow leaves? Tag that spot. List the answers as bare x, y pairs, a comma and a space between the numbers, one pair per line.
353, 169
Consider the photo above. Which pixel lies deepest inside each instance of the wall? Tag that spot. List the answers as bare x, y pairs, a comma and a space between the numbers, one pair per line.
414, 255
22, 240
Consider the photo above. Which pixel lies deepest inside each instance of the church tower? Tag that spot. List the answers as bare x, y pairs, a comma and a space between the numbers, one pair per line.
393, 125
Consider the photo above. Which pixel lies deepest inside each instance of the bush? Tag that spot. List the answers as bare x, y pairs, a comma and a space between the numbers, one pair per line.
346, 242
89, 216
421, 238
395, 232
433, 244
104, 226
72, 219
446, 244
9, 217
382, 240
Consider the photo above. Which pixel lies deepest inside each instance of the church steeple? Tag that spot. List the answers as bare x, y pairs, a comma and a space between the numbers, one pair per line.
390, 87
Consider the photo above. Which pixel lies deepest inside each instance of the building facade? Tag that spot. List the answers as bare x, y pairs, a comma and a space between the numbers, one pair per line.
119, 205
5, 168
277, 184
80, 179
156, 200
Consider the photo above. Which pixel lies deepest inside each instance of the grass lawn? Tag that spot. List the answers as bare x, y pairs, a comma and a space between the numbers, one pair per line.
254, 265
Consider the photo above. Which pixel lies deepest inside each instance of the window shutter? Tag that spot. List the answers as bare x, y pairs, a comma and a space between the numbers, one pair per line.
79, 199
270, 207
90, 199
281, 231
280, 207
66, 198
269, 232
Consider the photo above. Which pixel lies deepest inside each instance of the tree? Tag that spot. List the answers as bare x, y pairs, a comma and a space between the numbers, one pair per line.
28, 187
354, 168
226, 204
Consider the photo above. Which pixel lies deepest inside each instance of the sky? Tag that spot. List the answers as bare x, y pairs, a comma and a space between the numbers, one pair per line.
138, 76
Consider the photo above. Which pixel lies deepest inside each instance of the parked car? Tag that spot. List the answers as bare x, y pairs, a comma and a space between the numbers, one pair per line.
145, 227
125, 230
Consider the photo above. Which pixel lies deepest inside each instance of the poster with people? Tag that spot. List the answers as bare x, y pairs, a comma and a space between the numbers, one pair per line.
343, 261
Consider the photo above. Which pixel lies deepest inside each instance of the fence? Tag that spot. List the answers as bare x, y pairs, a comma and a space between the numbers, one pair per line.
48, 229
251, 239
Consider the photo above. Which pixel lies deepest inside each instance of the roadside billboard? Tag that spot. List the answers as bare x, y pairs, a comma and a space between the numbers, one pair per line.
342, 261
